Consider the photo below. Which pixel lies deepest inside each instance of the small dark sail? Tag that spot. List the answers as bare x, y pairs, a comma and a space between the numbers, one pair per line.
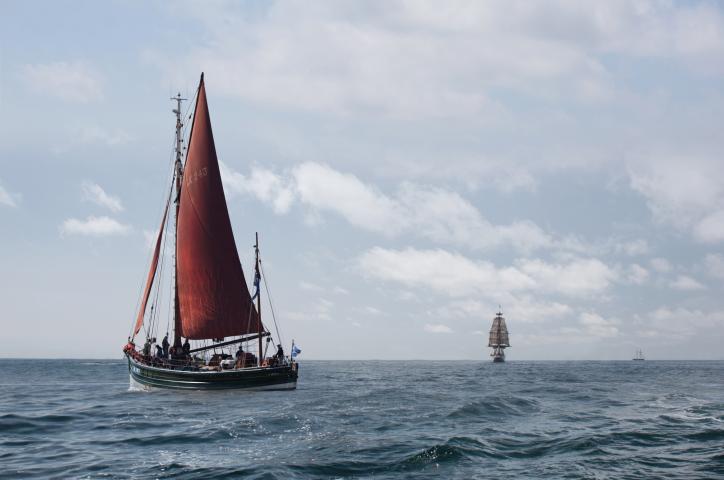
151, 274
213, 298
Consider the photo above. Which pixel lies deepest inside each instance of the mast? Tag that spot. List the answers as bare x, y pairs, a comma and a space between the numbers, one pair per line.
258, 295
179, 182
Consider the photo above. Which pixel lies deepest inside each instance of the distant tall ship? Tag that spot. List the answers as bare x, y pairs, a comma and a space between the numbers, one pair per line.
639, 356
498, 340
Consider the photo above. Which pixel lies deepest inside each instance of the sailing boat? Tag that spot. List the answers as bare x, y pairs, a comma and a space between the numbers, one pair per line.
209, 302
639, 356
498, 338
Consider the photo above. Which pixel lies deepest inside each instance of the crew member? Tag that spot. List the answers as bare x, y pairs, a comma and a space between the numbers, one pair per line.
165, 346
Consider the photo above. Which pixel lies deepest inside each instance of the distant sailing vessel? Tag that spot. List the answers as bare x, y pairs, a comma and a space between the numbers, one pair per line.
208, 301
639, 356
498, 338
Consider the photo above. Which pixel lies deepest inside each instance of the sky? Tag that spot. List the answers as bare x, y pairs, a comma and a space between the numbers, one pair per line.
409, 166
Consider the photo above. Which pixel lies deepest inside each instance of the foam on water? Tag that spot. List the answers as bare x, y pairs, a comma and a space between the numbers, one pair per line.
635, 420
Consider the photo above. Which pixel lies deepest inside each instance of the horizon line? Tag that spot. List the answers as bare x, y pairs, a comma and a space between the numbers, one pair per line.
418, 359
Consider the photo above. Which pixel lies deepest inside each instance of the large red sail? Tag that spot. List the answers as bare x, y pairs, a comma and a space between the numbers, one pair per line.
213, 297
151, 274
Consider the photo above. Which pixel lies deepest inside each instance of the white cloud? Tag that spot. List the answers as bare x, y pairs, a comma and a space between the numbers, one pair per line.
597, 326
433, 213
7, 198
71, 81
373, 311
529, 310
711, 228
94, 193
633, 248
262, 184
683, 192
324, 188
661, 265
445, 272
321, 309
637, 274
311, 287
715, 265
679, 322
523, 308
457, 276
437, 328
96, 134
94, 226
579, 277
397, 60
684, 282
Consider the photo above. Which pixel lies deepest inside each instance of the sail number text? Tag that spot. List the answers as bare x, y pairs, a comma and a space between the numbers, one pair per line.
192, 177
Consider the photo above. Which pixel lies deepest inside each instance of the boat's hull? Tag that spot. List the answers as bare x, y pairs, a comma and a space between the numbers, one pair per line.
264, 378
498, 359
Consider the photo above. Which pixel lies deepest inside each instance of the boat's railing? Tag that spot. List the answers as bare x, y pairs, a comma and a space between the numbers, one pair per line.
196, 363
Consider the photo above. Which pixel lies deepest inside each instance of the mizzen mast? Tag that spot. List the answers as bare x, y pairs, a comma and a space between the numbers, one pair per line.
257, 281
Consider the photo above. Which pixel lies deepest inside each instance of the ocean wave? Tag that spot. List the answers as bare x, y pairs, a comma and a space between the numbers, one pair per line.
13, 423
496, 406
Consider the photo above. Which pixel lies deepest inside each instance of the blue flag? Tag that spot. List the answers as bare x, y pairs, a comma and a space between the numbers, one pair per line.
295, 351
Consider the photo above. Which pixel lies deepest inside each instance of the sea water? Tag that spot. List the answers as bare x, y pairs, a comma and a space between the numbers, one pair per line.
370, 419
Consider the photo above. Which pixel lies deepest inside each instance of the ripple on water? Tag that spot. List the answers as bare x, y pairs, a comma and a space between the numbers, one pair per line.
494, 407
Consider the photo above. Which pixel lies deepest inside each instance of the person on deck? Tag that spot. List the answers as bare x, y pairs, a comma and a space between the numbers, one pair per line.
280, 353
159, 352
165, 345
240, 357
187, 348
176, 350
147, 348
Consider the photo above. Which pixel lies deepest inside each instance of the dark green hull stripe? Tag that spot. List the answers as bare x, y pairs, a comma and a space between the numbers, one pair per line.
283, 378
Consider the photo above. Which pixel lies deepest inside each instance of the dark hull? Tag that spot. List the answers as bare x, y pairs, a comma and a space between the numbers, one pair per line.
498, 359
265, 378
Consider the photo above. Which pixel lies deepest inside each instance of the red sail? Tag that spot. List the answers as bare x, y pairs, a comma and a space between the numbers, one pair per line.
151, 274
212, 292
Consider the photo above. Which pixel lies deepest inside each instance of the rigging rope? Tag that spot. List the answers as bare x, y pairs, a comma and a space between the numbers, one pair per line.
150, 255
155, 316
271, 305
